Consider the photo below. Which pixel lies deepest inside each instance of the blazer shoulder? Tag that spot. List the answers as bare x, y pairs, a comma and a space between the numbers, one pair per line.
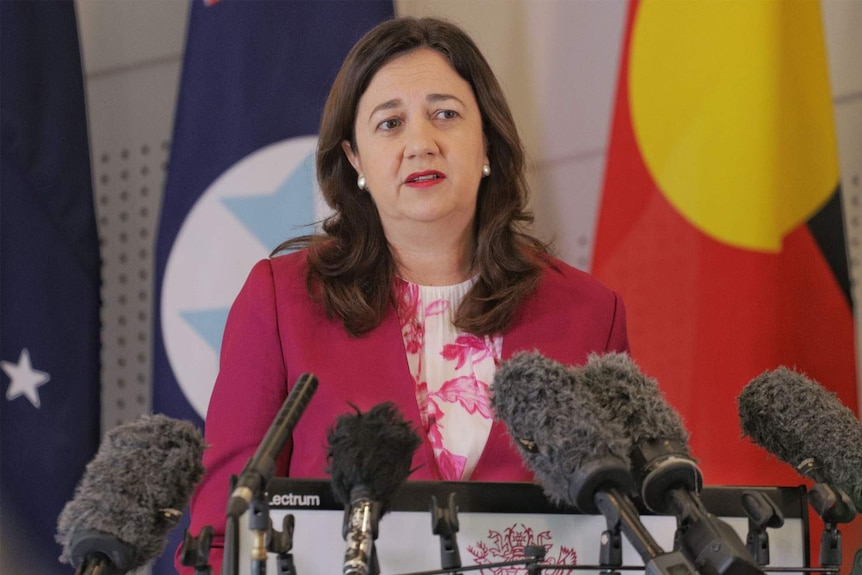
289, 271
563, 281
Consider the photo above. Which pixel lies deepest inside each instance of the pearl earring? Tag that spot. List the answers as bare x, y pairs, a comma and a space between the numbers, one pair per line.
361, 182
486, 170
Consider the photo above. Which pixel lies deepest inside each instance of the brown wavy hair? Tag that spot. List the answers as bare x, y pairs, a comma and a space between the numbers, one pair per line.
350, 265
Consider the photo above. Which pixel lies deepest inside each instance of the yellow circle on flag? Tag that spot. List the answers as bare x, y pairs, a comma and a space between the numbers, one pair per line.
732, 113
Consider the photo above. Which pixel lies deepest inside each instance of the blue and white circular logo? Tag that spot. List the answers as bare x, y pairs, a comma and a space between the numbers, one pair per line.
262, 200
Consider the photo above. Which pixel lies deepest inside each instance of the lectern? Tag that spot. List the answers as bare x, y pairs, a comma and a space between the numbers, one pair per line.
496, 522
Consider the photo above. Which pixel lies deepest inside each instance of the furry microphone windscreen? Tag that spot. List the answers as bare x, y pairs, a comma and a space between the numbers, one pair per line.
796, 419
634, 399
372, 449
554, 422
134, 489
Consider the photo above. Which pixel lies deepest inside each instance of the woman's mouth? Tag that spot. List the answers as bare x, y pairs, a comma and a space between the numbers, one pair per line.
424, 179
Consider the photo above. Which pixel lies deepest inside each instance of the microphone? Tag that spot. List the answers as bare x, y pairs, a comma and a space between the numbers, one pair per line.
806, 426
580, 456
668, 479
131, 494
261, 466
369, 456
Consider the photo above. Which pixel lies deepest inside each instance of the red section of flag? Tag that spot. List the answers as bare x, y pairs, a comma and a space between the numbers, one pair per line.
705, 318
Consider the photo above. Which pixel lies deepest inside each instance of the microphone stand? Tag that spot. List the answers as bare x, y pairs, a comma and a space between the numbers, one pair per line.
600, 486
259, 524
762, 513
611, 550
713, 543
230, 559
196, 551
444, 522
621, 513
265, 538
670, 481
534, 554
281, 543
834, 507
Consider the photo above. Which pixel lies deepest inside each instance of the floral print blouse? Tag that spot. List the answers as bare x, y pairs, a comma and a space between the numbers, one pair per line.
452, 372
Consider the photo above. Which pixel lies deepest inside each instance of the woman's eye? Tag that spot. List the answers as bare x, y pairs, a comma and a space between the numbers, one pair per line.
390, 124
447, 114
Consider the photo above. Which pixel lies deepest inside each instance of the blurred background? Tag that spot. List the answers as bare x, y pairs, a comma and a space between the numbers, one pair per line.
558, 62
562, 102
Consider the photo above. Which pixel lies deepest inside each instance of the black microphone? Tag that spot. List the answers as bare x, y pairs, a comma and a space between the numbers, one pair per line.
261, 466
668, 479
579, 456
806, 426
369, 457
131, 494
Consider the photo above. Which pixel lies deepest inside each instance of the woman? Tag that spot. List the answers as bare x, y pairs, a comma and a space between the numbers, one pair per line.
422, 281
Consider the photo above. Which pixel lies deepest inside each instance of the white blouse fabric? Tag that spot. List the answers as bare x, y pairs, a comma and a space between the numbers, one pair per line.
452, 372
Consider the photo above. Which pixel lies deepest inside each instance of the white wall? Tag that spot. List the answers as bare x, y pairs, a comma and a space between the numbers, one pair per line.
132, 53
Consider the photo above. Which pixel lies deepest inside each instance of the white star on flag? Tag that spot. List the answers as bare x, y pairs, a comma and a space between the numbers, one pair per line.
24, 378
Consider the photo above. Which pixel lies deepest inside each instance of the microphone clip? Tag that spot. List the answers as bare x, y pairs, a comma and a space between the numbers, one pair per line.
196, 550
281, 543
267, 539
444, 523
762, 512
834, 507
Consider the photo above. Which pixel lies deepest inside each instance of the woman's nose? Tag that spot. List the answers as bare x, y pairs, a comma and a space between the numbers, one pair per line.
420, 139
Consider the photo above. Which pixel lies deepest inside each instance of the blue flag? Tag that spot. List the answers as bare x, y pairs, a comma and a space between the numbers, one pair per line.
49, 282
241, 175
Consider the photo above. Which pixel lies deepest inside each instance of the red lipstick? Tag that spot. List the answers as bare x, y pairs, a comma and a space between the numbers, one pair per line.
424, 179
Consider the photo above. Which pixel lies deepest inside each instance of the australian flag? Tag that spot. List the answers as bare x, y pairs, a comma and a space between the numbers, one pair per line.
49, 282
241, 172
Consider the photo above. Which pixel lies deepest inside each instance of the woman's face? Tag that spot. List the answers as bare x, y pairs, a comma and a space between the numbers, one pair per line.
419, 144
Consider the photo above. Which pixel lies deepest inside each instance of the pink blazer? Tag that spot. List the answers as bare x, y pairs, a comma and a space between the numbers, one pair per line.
275, 333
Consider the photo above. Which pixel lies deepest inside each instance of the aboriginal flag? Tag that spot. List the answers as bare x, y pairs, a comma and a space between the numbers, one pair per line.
721, 221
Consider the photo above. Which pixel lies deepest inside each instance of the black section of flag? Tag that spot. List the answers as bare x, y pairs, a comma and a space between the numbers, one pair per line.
827, 228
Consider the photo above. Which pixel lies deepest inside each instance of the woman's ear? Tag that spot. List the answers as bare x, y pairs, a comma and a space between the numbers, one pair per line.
352, 156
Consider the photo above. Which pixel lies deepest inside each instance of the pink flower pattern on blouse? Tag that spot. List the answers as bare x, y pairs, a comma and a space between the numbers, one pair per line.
451, 371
